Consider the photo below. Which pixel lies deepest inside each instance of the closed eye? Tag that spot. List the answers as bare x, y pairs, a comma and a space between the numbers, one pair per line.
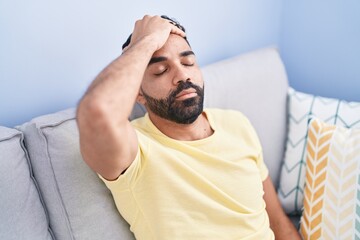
188, 60
160, 73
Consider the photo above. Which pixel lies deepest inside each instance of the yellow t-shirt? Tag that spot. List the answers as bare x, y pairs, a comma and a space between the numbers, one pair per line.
205, 189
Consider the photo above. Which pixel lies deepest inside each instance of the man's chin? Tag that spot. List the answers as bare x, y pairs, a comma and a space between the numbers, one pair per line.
186, 115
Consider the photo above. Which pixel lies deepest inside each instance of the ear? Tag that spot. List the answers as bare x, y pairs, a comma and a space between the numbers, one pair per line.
140, 98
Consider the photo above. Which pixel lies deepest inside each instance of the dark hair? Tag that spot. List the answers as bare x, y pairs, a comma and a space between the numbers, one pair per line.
172, 21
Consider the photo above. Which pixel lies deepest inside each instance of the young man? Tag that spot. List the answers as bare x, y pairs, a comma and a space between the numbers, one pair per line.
179, 172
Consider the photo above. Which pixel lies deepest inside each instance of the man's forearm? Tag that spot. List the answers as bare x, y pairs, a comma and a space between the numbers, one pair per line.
279, 222
284, 229
117, 86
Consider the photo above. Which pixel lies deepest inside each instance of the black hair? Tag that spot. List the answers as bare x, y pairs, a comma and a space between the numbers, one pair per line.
172, 21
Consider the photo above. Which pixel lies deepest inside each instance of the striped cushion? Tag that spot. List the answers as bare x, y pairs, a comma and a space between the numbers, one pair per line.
301, 108
332, 189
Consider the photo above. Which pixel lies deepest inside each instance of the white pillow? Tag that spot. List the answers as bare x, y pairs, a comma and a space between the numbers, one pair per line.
301, 107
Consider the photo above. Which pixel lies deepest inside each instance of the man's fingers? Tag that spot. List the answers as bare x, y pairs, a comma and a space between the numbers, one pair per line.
147, 19
176, 30
157, 27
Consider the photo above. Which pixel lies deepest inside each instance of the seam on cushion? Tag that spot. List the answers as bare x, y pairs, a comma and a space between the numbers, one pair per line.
11, 136
55, 180
23, 146
57, 123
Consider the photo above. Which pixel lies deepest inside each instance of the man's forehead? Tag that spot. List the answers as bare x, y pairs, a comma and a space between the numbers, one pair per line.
173, 42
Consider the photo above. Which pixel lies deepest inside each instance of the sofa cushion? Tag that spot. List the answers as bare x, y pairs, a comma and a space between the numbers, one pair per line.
332, 189
79, 204
301, 108
22, 215
254, 83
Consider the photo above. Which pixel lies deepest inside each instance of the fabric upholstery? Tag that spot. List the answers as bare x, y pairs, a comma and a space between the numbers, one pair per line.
22, 215
302, 107
79, 204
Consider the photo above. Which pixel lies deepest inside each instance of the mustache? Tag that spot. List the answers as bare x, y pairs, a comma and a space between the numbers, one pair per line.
183, 86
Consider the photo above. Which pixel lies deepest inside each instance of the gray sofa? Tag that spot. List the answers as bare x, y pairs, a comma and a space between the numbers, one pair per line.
48, 192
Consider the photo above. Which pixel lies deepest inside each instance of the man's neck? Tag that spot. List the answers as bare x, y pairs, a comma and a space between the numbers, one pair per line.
197, 130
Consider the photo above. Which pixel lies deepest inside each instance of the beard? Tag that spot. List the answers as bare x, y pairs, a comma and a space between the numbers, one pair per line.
179, 111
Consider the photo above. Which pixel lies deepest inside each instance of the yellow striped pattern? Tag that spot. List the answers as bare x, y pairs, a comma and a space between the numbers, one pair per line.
331, 190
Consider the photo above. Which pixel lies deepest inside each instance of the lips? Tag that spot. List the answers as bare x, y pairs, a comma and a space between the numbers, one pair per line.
187, 93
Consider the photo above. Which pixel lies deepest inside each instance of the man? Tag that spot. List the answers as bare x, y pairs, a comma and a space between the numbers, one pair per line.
180, 172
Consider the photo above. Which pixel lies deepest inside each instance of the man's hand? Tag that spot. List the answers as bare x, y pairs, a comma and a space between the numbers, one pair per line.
154, 29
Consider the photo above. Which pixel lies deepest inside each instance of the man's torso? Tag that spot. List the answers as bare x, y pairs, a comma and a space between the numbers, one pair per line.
205, 189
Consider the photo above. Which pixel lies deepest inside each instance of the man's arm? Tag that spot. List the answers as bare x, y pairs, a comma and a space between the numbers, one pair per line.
279, 222
108, 143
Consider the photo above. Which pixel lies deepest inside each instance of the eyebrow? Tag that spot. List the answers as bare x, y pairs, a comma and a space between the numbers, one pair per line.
157, 59
186, 53
161, 59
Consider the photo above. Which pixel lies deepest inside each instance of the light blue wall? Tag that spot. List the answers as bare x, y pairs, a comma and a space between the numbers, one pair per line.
320, 45
50, 51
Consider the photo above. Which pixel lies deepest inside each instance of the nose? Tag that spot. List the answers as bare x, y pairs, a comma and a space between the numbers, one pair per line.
181, 74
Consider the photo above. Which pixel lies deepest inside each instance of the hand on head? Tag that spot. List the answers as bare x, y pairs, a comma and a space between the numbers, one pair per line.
156, 29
